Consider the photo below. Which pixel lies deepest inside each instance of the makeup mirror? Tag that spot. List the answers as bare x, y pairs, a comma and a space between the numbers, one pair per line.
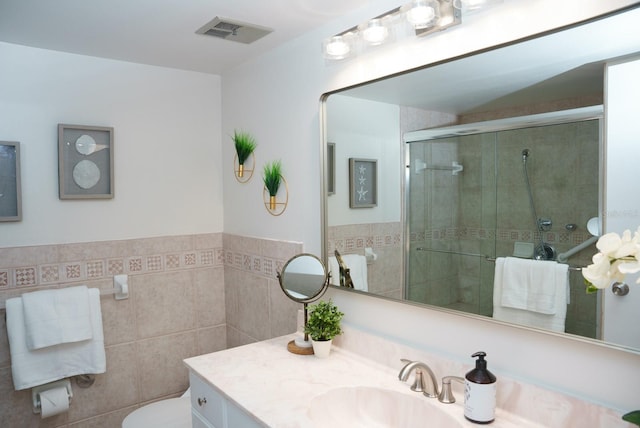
303, 279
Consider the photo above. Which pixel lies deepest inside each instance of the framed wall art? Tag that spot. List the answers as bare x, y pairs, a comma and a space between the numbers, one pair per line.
10, 193
85, 162
363, 183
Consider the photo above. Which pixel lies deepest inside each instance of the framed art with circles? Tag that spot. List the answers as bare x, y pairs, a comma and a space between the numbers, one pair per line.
85, 162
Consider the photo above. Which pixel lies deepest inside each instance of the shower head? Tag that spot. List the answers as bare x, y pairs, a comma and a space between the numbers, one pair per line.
525, 155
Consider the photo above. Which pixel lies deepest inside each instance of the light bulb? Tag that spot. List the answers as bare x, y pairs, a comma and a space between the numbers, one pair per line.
337, 48
375, 32
420, 15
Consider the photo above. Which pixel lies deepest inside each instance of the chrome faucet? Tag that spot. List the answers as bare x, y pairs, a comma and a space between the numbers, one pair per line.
428, 388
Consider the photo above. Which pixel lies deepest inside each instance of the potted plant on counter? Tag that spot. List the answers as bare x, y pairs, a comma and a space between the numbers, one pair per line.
322, 326
245, 145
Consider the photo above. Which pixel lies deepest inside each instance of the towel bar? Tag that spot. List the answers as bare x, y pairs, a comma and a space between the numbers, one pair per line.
120, 291
487, 258
571, 268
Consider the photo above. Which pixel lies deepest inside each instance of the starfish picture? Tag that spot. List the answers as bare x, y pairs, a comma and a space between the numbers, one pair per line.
362, 194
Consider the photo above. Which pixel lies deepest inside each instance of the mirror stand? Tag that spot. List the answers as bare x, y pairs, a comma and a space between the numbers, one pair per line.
301, 345
303, 279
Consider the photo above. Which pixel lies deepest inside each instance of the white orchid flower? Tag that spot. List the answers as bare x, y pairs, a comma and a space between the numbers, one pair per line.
609, 243
618, 256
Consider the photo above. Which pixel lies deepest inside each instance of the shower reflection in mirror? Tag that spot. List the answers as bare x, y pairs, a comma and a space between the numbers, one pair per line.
514, 188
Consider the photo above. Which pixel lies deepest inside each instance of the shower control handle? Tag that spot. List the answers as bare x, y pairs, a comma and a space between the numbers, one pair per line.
544, 224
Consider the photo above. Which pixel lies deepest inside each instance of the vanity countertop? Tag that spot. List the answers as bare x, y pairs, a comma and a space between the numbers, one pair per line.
277, 387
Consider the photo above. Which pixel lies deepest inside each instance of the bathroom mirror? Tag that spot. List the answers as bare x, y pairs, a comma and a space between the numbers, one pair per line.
303, 279
555, 76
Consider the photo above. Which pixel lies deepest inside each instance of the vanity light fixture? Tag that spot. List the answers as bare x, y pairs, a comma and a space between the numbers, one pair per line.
418, 17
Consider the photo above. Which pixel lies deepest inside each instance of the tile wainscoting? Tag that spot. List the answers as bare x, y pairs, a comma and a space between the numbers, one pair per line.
189, 295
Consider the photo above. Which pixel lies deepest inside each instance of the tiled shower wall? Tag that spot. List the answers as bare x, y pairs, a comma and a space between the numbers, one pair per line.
180, 288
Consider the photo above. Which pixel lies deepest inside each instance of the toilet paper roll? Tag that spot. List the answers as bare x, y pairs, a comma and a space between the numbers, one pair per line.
53, 402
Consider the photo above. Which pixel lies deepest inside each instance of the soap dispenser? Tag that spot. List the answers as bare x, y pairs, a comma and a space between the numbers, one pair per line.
480, 392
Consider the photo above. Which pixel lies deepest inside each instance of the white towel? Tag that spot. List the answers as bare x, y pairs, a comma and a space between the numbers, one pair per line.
32, 368
52, 317
334, 271
523, 315
532, 284
357, 265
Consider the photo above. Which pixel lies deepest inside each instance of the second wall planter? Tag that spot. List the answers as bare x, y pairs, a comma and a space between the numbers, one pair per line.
275, 196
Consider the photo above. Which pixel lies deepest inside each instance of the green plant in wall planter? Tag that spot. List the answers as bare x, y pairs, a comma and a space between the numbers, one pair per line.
633, 417
272, 177
323, 324
245, 145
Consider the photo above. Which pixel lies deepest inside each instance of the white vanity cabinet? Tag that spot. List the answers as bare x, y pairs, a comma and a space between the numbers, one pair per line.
210, 409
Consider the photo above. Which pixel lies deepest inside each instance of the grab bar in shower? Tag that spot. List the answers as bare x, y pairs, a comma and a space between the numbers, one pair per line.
487, 258
563, 257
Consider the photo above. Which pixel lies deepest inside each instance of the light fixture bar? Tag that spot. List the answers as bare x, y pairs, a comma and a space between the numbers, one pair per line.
420, 17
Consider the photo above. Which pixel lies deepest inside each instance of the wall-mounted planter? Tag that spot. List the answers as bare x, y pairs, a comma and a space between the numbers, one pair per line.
244, 161
274, 195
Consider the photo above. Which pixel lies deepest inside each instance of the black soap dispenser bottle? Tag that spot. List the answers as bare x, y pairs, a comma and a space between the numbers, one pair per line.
480, 392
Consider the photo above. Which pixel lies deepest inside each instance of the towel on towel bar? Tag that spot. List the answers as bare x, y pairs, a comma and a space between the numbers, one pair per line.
532, 285
52, 317
554, 321
40, 366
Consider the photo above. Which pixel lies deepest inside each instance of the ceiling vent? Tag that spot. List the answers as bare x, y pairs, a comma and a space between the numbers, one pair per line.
237, 31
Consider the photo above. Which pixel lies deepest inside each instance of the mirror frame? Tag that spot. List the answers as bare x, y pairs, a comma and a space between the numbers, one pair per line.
324, 164
321, 291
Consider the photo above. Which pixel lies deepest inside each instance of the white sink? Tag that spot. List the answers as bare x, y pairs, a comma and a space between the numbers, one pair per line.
368, 407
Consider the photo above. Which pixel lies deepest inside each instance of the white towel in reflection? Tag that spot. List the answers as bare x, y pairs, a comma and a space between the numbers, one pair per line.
31, 368
531, 292
52, 317
357, 265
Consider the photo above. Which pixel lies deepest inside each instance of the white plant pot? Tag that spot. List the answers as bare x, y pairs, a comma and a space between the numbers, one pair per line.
321, 348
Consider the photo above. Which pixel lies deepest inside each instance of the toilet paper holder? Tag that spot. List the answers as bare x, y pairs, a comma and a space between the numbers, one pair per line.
37, 390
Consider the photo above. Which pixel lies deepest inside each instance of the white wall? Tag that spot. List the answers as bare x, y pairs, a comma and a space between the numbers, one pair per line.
622, 210
366, 130
166, 146
276, 97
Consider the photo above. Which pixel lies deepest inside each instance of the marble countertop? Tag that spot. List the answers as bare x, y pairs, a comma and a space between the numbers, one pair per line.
277, 387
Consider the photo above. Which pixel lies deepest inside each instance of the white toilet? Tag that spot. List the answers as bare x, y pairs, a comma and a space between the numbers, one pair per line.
171, 413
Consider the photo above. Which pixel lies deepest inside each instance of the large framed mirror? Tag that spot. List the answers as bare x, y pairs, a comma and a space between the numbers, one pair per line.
495, 154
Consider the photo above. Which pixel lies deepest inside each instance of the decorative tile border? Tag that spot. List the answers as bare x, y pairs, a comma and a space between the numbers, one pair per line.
357, 243
83, 270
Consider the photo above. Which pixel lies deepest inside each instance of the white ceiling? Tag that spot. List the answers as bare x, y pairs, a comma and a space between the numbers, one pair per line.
161, 32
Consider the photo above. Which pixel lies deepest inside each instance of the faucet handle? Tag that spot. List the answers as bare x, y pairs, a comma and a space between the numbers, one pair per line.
418, 382
446, 395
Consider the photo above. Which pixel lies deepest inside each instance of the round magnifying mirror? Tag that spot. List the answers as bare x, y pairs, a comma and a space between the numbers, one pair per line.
304, 278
